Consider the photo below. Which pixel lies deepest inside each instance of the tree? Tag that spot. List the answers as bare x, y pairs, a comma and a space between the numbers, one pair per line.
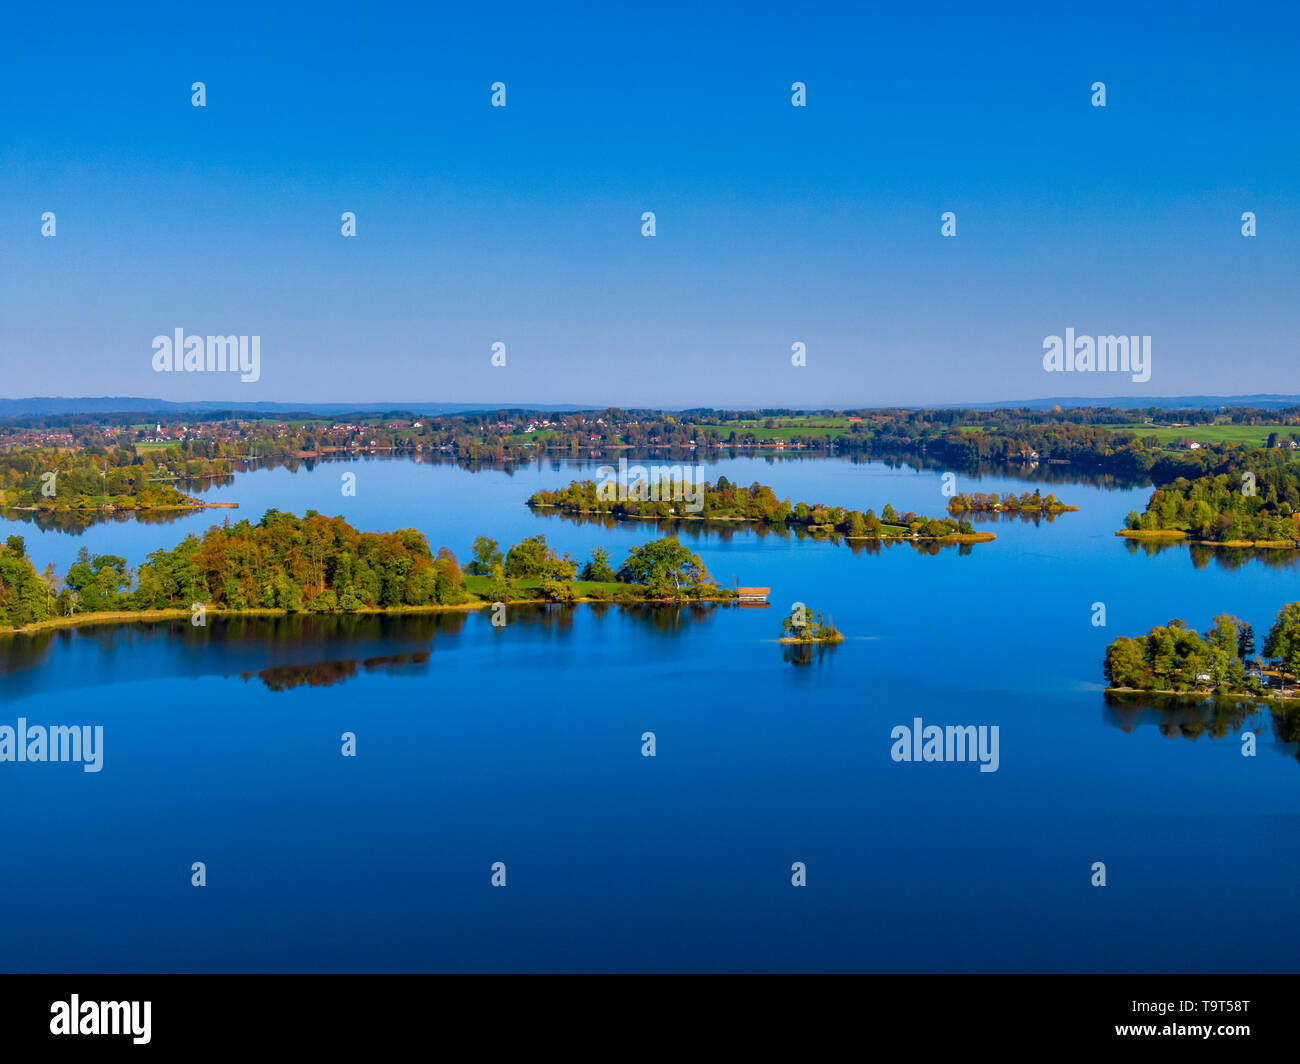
598, 567
449, 584
661, 564
1284, 638
1161, 651
1126, 664
527, 558
498, 589
1245, 640
559, 567
558, 590
486, 555
98, 582
24, 597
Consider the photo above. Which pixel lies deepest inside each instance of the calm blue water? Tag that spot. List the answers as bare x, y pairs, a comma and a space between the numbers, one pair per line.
522, 745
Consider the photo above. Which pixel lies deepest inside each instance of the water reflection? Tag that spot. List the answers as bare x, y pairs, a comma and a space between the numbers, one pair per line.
75, 522
311, 650
328, 673
806, 653
1229, 558
1216, 717
1050, 472
1035, 517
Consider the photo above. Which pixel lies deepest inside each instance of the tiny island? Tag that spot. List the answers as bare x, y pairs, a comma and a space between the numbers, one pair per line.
1026, 504
805, 626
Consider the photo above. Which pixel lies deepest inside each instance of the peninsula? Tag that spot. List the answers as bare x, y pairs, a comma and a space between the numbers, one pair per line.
1176, 660
315, 564
1257, 506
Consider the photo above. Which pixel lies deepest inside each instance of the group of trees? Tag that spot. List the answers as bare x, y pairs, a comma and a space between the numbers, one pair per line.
1174, 657
25, 596
726, 501
662, 568
530, 559
1259, 504
312, 563
283, 562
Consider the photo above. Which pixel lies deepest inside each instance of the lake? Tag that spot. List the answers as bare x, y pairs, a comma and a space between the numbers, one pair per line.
523, 745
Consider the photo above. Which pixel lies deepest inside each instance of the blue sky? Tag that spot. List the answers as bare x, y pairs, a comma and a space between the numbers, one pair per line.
522, 224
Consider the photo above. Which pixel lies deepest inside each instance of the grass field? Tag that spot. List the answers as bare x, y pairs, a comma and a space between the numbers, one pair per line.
1254, 435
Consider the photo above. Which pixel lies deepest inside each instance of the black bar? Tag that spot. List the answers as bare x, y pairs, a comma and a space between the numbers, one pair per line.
489, 1014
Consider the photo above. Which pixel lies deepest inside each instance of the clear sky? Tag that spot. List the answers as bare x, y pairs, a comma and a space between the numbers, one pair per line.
522, 224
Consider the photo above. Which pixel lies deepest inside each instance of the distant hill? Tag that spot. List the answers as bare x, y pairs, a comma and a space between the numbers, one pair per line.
1113, 402
38, 406
47, 405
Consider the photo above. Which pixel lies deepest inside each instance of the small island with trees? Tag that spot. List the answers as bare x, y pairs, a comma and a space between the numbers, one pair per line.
1034, 504
805, 626
1176, 660
758, 504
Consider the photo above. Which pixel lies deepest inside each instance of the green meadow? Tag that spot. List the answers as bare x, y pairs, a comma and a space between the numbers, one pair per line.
1251, 435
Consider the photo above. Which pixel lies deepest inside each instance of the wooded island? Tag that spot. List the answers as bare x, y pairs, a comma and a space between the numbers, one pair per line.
758, 504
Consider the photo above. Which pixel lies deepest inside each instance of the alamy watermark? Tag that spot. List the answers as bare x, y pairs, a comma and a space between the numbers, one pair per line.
956, 742
1100, 354
675, 483
102, 1017
78, 743
179, 353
